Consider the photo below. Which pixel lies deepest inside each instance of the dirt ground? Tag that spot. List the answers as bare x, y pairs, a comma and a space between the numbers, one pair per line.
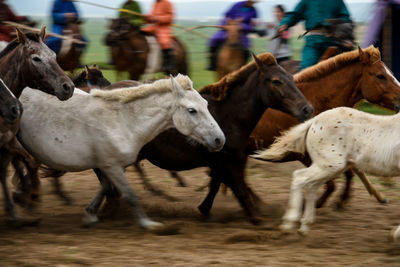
356, 236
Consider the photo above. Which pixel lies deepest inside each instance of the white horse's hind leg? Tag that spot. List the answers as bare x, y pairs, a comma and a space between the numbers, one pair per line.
117, 177
301, 178
309, 212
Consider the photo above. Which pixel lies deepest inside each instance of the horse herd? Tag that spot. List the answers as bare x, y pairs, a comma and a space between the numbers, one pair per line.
177, 128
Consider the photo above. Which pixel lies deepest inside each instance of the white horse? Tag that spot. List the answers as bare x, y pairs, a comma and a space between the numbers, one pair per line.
336, 140
107, 129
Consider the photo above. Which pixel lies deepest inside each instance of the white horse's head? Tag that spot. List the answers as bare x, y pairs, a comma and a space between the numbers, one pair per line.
192, 118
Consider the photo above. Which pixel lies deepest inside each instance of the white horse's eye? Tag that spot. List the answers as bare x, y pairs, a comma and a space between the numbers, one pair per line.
192, 110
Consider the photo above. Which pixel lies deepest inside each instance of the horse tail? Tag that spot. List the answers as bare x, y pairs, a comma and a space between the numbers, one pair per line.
293, 140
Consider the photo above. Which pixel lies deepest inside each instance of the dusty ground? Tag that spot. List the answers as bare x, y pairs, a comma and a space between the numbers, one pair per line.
357, 236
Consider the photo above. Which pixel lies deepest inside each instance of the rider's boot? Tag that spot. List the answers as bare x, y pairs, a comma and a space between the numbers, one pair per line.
212, 58
168, 61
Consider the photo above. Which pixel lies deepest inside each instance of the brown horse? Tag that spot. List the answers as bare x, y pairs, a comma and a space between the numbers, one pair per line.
90, 77
130, 49
28, 62
339, 81
69, 55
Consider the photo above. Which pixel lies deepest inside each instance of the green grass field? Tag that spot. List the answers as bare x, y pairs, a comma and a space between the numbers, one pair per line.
98, 53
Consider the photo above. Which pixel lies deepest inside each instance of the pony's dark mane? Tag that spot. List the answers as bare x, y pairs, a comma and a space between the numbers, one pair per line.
14, 43
221, 89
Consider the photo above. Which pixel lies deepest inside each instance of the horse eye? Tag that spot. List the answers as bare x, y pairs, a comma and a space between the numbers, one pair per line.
276, 82
381, 77
37, 59
192, 110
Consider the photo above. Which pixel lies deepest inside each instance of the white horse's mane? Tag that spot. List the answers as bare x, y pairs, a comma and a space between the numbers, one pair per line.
129, 94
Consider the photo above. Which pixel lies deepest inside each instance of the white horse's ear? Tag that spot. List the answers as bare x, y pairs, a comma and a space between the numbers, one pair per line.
176, 87
22, 39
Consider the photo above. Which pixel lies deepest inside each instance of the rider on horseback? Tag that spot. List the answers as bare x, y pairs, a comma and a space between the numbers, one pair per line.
161, 18
248, 13
316, 14
6, 14
63, 12
134, 6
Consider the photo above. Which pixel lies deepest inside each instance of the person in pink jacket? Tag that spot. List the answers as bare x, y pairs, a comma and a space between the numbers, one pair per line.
161, 18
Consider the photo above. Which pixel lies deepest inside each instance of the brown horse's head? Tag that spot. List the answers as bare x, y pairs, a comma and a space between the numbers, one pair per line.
38, 67
378, 85
10, 107
283, 93
94, 76
120, 29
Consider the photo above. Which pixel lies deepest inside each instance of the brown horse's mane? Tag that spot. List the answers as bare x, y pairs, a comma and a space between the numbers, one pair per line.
221, 89
14, 43
327, 66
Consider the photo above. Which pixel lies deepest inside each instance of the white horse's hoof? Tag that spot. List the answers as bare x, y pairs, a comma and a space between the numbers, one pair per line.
304, 229
89, 219
395, 234
150, 225
287, 227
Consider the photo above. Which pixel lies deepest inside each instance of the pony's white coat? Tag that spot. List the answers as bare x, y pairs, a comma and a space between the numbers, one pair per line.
336, 140
106, 130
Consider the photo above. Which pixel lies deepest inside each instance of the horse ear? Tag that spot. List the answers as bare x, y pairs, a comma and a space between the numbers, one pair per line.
258, 62
42, 33
364, 57
22, 39
176, 87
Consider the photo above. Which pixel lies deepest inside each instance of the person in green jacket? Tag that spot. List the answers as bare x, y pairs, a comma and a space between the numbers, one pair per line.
315, 13
135, 20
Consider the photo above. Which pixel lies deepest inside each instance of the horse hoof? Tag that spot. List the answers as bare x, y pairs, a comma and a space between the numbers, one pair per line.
395, 234
339, 206
385, 201
257, 220
287, 227
20, 199
303, 231
89, 220
203, 210
17, 222
150, 225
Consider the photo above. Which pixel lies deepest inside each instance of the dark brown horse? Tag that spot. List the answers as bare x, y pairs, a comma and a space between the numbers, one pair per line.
28, 62
130, 49
70, 53
237, 101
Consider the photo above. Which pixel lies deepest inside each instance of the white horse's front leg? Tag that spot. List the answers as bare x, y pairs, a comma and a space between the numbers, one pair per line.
117, 177
309, 212
395, 234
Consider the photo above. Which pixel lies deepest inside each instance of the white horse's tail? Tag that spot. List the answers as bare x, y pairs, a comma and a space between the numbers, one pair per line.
293, 140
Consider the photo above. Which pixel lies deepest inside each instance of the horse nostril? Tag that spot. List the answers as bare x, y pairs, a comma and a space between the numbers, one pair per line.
217, 141
15, 111
66, 88
307, 110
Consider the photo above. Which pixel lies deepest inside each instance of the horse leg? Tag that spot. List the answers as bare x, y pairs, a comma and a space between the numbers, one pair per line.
207, 203
21, 195
330, 188
149, 186
116, 175
9, 206
370, 188
179, 178
58, 190
344, 197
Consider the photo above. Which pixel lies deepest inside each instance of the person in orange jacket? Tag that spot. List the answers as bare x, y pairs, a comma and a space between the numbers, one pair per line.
161, 18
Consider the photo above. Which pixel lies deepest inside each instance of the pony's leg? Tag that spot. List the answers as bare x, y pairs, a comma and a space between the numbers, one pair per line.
395, 234
309, 211
370, 188
59, 190
301, 178
179, 178
118, 179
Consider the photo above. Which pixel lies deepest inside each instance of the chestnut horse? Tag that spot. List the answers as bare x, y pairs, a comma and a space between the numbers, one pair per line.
28, 62
340, 81
237, 102
89, 78
130, 49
